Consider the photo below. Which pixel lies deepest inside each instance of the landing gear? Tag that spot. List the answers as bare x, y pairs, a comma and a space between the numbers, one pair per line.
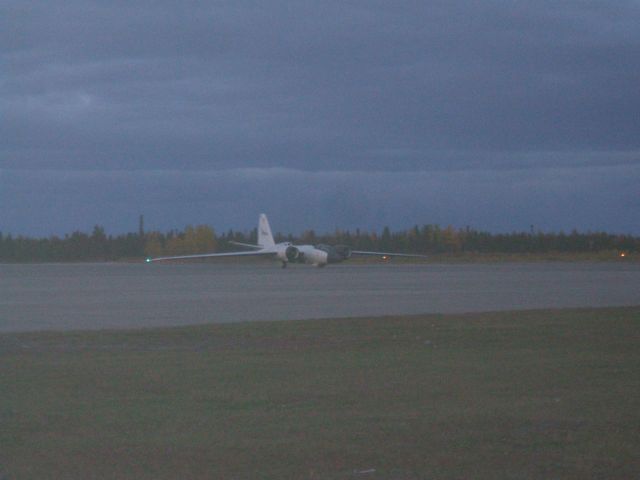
284, 264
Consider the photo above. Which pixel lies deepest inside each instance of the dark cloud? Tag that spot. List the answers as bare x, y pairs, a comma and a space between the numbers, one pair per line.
551, 199
123, 104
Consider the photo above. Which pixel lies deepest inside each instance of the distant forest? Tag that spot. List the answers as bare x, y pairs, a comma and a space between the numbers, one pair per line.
428, 239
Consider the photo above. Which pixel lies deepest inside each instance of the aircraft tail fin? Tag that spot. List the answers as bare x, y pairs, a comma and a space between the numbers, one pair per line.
265, 237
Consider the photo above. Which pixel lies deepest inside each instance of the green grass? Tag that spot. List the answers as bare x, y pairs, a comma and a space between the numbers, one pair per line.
540, 394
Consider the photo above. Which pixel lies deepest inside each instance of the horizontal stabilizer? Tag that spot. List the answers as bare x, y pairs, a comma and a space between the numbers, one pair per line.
248, 245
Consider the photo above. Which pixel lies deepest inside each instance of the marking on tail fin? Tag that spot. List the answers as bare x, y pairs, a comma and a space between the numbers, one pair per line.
265, 237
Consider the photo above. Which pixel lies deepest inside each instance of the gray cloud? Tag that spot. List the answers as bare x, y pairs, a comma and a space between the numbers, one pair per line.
426, 91
554, 198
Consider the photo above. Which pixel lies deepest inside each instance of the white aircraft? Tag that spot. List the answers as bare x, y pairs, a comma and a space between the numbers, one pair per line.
286, 252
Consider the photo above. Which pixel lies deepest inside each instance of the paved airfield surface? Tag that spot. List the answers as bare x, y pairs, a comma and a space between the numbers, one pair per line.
96, 296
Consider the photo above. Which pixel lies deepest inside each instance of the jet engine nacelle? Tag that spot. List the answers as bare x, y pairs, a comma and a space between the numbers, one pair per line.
292, 253
288, 253
344, 251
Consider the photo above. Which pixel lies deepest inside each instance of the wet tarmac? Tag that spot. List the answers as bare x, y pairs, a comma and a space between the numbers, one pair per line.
97, 296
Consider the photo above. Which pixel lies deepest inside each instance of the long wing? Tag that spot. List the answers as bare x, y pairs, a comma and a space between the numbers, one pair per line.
209, 255
387, 254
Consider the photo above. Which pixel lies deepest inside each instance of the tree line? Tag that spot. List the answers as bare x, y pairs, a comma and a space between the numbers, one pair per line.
426, 239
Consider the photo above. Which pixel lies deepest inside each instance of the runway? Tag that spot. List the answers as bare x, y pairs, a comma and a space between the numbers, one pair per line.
99, 296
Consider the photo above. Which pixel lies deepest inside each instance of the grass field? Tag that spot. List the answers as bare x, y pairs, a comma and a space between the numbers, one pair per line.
540, 394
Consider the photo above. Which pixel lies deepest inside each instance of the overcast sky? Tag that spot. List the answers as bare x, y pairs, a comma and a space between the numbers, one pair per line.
348, 114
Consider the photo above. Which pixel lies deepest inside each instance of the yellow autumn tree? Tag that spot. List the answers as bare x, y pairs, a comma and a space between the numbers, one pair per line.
451, 239
153, 246
201, 239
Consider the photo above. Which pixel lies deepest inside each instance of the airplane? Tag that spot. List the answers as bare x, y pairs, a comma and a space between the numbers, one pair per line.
316, 255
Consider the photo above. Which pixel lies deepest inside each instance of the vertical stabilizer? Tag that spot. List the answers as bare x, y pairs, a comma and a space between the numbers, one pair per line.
265, 237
